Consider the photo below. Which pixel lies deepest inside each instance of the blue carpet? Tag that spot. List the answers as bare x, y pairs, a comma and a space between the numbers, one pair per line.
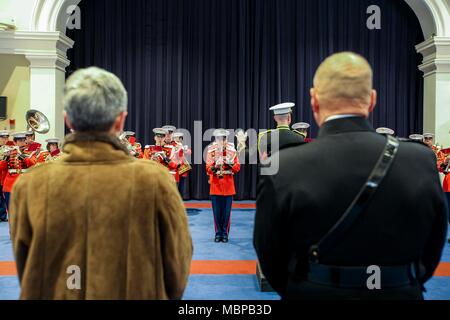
216, 287
9, 288
232, 287
240, 247
438, 288
6, 253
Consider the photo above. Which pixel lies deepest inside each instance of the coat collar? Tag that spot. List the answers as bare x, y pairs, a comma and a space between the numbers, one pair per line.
94, 147
353, 124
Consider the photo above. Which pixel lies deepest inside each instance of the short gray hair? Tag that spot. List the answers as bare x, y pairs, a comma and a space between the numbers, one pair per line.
93, 98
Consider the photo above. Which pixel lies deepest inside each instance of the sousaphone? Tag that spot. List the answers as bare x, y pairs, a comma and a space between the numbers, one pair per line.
37, 121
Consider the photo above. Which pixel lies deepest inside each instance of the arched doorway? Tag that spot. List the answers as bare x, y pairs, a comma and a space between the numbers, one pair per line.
51, 16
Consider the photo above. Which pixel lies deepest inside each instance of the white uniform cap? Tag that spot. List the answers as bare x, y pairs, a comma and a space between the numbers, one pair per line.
160, 131
385, 131
428, 135
129, 133
301, 126
169, 128
19, 135
283, 108
4, 133
221, 133
53, 140
29, 133
178, 135
416, 137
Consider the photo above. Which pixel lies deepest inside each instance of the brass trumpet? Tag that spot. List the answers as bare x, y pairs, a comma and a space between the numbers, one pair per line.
5, 151
222, 172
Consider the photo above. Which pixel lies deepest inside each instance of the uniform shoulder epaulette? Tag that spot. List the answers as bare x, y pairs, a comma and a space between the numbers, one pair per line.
299, 133
262, 134
265, 132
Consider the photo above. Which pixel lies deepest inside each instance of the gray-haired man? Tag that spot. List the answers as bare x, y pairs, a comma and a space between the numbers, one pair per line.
107, 222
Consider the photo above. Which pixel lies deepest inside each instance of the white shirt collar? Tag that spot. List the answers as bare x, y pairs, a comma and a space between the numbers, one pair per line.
342, 116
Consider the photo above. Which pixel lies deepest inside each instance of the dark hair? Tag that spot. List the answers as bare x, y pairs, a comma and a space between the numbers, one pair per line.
49, 144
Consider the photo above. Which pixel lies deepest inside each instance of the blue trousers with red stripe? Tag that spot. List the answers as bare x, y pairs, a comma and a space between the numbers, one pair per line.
222, 214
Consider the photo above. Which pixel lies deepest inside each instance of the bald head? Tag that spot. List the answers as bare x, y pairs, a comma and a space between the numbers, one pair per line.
343, 83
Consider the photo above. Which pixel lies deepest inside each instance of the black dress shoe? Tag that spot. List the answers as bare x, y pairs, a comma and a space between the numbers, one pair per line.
225, 239
218, 239
4, 220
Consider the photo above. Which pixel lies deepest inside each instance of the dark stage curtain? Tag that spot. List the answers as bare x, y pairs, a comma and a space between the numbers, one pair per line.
225, 62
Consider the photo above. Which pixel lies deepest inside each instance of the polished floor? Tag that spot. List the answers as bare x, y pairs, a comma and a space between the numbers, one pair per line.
219, 271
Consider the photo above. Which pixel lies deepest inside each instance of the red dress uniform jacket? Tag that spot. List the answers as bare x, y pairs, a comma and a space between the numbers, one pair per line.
161, 154
42, 156
441, 156
222, 185
138, 147
173, 151
183, 164
46, 156
14, 166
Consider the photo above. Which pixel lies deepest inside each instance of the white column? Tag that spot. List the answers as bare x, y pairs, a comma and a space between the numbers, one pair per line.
436, 69
47, 78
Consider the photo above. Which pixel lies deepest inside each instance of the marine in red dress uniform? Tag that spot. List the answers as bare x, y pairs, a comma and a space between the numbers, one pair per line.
4, 140
222, 164
160, 152
184, 167
33, 148
442, 158
443, 163
15, 162
172, 148
135, 148
52, 153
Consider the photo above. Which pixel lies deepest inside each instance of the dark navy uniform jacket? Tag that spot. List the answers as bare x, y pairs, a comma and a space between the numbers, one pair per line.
406, 220
287, 137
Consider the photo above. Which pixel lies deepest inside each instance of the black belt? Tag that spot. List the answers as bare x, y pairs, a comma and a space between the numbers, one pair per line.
356, 277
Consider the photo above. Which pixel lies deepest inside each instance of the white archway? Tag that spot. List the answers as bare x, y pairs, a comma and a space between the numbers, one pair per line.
433, 15
51, 15
434, 18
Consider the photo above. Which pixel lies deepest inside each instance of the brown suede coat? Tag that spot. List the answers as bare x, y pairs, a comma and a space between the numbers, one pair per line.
120, 220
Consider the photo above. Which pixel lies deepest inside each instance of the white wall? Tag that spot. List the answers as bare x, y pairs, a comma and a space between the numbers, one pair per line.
15, 84
21, 10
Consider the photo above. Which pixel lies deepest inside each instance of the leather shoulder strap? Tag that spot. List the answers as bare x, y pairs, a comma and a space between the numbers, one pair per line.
330, 240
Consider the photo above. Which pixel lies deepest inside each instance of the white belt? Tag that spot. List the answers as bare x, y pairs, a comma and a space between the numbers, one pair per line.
225, 173
14, 171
